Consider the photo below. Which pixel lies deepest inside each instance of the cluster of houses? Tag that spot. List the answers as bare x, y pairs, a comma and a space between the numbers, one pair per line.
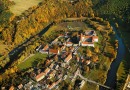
60, 53
88, 38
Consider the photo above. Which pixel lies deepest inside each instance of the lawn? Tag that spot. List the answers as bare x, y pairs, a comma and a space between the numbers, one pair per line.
22, 5
32, 61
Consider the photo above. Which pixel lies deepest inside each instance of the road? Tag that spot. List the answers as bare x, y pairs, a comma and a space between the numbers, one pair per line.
28, 57
91, 81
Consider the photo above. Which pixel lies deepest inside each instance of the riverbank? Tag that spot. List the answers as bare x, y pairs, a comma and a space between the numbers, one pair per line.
124, 67
111, 76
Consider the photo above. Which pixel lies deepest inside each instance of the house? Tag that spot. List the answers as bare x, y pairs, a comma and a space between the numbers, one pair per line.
11, 88
69, 57
60, 36
53, 51
63, 47
87, 44
88, 62
28, 86
55, 41
3, 88
88, 39
40, 76
52, 74
47, 71
82, 84
95, 38
68, 44
57, 67
46, 47
51, 66
54, 84
20, 86
72, 49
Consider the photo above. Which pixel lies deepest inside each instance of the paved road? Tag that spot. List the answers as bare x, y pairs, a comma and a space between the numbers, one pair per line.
91, 81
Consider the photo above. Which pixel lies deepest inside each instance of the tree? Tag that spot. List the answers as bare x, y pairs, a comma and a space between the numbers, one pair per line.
94, 58
89, 53
96, 49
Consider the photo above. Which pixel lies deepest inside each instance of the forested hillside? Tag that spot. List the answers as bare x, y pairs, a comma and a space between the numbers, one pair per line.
34, 19
118, 13
119, 9
15, 30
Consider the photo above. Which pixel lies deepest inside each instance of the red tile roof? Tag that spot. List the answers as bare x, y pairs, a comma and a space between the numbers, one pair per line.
69, 43
95, 37
88, 36
46, 47
54, 51
47, 70
87, 42
68, 58
39, 76
11, 88
20, 86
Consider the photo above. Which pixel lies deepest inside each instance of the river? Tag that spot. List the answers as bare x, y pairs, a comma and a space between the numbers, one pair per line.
111, 75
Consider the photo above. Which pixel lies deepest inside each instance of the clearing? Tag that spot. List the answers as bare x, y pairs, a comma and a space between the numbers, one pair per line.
32, 61
68, 26
22, 5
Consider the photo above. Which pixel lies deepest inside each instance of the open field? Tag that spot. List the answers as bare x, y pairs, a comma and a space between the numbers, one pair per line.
22, 5
68, 26
32, 61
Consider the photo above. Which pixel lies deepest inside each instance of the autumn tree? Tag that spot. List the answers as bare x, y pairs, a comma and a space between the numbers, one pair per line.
89, 53
96, 49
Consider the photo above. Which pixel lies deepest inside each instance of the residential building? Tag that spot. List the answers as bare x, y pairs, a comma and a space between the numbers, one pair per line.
40, 76
69, 57
88, 39
20, 86
11, 88
46, 47
53, 51
82, 84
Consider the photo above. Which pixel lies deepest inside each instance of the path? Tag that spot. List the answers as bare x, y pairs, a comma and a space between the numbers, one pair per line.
91, 81
28, 57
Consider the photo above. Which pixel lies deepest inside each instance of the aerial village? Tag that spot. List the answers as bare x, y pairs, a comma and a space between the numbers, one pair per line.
62, 54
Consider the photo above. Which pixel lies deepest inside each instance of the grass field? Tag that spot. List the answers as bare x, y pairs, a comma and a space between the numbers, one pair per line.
65, 25
22, 5
32, 61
